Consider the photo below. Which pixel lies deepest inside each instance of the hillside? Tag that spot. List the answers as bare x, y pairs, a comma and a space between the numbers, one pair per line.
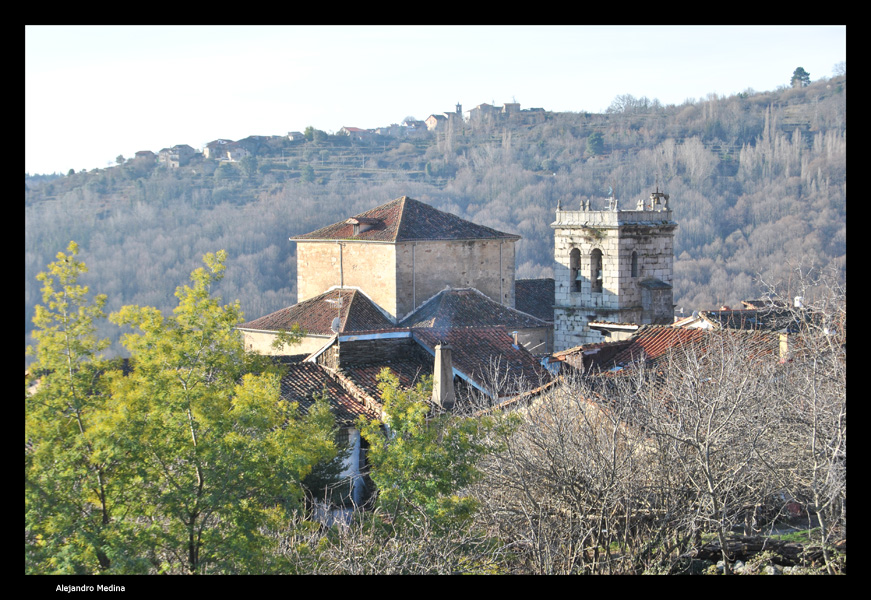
757, 182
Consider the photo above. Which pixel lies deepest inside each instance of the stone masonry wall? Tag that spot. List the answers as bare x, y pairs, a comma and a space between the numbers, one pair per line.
368, 266
400, 277
616, 234
425, 268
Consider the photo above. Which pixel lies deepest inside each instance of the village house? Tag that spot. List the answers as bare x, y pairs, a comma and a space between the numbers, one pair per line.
217, 149
355, 133
145, 155
175, 157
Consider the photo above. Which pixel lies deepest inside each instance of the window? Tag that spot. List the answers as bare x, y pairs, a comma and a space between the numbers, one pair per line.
575, 270
596, 271
634, 264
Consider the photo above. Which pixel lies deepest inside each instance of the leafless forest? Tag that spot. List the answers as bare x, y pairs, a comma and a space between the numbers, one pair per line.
758, 182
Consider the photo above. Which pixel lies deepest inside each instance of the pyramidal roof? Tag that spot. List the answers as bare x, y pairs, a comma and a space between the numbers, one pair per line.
404, 220
467, 307
355, 311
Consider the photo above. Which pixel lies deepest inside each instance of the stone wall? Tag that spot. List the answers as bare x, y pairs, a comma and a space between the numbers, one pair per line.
400, 277
426, 268
616, 234
368, 266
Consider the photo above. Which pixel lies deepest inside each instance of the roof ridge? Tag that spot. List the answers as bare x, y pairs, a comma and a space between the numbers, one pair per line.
402, 201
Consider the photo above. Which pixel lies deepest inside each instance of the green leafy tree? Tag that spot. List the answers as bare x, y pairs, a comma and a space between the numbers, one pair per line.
219, 456
249, 165
314, 135
306, 174
420, 461
800, 78
68, 491
595, 144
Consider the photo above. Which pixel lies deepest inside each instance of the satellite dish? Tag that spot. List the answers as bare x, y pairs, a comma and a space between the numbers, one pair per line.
335, 325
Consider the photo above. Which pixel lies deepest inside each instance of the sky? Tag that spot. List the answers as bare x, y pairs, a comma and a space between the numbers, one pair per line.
92, 93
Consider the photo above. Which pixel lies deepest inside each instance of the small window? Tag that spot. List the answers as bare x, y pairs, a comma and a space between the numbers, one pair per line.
596, 271
634, 264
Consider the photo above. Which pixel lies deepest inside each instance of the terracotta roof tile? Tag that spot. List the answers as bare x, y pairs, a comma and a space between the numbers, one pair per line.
356, 312
656, 344
477, 351
405, 219
409, 369
304, 380
652, 343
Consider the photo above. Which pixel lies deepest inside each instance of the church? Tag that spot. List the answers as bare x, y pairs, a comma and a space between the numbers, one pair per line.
405, 270
425, 293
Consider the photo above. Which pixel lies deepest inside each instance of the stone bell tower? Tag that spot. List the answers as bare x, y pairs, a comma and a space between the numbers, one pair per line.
612, 265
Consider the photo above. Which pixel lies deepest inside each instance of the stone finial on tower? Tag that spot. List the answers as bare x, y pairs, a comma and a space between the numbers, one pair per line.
658, 200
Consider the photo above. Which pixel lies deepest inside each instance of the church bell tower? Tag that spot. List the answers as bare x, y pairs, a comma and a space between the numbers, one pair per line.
614, 266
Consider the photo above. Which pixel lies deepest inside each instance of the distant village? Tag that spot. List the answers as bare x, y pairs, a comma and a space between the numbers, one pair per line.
482, 115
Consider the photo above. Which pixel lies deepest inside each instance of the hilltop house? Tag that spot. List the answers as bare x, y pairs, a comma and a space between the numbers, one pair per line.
175, 157
355, 133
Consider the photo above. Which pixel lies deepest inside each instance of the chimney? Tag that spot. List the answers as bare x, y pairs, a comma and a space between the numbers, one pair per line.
443, 378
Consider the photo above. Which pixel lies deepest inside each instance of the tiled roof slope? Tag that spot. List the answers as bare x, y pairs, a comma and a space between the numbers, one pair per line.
535, 297
315, 315
651, 342
467, 307
304, 380
476, 351
409, 369
654, 343
771, 319
402, 220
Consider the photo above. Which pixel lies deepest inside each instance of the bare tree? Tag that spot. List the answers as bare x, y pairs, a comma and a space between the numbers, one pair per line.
813, 423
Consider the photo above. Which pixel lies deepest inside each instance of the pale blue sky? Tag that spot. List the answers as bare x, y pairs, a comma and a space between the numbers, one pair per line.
92, 93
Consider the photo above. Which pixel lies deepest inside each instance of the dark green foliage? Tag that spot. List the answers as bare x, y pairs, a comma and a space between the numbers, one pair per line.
800, 78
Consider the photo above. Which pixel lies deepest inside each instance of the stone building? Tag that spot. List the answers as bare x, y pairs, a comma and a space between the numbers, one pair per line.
402, 253
612, 266
175, 157
387, 287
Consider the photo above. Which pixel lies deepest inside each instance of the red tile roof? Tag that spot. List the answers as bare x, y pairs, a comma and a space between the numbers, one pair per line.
304, 380
355, 311
476, 351
409, 369
652, 343
479, 351
405, 219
